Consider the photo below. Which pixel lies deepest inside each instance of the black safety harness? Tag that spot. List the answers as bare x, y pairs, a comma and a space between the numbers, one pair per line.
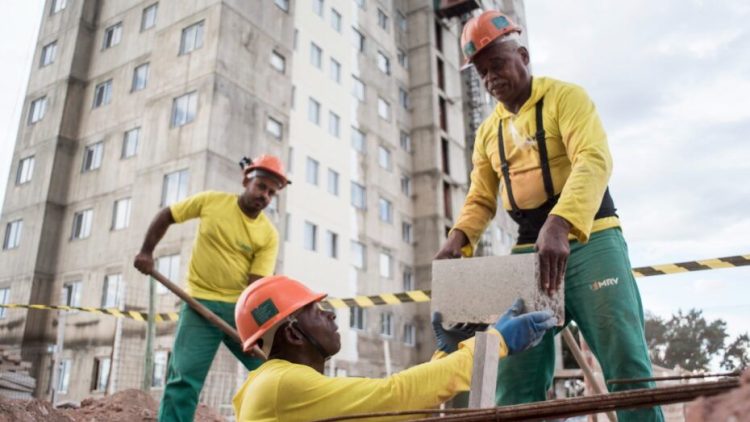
530, 221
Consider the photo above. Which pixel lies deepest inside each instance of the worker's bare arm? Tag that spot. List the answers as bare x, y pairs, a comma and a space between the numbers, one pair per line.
251, 278
452, 247
553, 248
144, 261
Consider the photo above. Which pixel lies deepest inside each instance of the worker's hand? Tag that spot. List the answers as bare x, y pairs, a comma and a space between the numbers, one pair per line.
448, 338
524, 331
553, 248
144, 262
452, 247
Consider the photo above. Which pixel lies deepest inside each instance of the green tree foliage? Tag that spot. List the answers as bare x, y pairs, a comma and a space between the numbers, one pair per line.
737, 354
686, 339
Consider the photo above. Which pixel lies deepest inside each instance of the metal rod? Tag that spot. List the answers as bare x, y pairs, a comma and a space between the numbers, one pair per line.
205, 312
674, 377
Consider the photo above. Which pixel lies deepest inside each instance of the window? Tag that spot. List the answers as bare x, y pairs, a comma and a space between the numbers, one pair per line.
121, 214
382, 20
405, 141
335, 71
445, 155
385, 264
184, 108
438, 36
333, 182
192, 38
334, 124
92, 157
313, 111
406, 232
318, 7
169, 266
385, 210
358, 254
37, 109
403, 59
111, 292
403, 98
13, 234
4, 299
103, 94
82, 224
358, 140
311, 171
112, 36
311, 236
386, 324
410, 335
441, 74
384, 64
148, 17
57, 6
336, 20
359, 197
408, 279
316, 55
130, 142
406, 185
63, 375
282, 4
140, 77
384, 109
25, 170
443, 110
174, 188
401, 21
161, 358
278, 61
357, 318
71, 294
358, 89
49, 52
101, 374
332, 244
358, 40
274, 127
384, 157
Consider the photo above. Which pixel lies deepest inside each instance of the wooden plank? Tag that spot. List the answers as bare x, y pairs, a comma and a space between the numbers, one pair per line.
484, 372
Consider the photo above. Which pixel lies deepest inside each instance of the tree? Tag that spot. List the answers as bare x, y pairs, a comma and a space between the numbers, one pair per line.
737, 354
687, 340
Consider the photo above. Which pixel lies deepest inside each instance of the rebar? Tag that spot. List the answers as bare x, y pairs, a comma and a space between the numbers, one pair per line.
674, 377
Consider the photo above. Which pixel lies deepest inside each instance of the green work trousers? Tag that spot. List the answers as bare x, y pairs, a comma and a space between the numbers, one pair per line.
195, 346
602, 297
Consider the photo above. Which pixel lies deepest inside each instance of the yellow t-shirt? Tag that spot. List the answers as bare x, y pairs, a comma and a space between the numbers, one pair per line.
228, 247
283, 391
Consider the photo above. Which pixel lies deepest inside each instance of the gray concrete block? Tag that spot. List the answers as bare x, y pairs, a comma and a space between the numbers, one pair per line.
481, 289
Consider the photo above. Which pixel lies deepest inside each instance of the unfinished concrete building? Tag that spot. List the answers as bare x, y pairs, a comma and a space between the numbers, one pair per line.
133, 105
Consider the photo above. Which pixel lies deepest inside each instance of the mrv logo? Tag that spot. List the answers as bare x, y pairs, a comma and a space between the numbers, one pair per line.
604, 283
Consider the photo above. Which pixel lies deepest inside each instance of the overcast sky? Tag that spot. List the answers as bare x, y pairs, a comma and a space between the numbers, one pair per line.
671, 80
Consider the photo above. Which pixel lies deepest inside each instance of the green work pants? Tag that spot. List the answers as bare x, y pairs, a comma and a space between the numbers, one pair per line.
195, 346
602, 297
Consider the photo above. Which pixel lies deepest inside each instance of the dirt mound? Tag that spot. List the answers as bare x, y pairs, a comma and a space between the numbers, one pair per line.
124, 406
733, 406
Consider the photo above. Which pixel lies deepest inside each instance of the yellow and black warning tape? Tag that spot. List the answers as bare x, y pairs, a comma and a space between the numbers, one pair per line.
413, 296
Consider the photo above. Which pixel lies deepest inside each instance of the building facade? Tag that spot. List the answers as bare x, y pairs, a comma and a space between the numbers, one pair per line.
133, 105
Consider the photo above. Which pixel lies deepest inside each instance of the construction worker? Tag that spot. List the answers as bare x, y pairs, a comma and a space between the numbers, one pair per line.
545, 144
285, 319
235, 245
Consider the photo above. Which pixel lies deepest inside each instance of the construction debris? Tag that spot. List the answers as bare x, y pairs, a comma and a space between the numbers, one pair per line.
15, 382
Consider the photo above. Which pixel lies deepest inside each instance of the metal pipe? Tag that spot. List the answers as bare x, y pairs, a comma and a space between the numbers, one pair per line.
674, 377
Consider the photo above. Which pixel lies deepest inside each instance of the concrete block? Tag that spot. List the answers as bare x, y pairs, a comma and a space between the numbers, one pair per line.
481, 289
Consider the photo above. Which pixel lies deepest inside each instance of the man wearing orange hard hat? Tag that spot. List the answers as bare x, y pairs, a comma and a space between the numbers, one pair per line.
286, 319
544, 143
235, 245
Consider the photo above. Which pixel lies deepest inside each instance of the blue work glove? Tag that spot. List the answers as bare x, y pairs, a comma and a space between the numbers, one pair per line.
448, 338
524, 331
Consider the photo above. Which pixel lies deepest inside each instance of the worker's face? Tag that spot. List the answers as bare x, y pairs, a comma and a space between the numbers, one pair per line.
259, 191
503, 67
321, 324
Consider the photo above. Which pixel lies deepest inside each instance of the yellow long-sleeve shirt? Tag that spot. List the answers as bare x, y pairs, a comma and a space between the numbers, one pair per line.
578, 156
282, 391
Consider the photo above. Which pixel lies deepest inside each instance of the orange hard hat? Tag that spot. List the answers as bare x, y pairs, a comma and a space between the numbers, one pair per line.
265, 304
481, 30
269, 163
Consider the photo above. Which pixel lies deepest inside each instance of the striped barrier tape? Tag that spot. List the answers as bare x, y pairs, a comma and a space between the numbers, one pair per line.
416, 296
